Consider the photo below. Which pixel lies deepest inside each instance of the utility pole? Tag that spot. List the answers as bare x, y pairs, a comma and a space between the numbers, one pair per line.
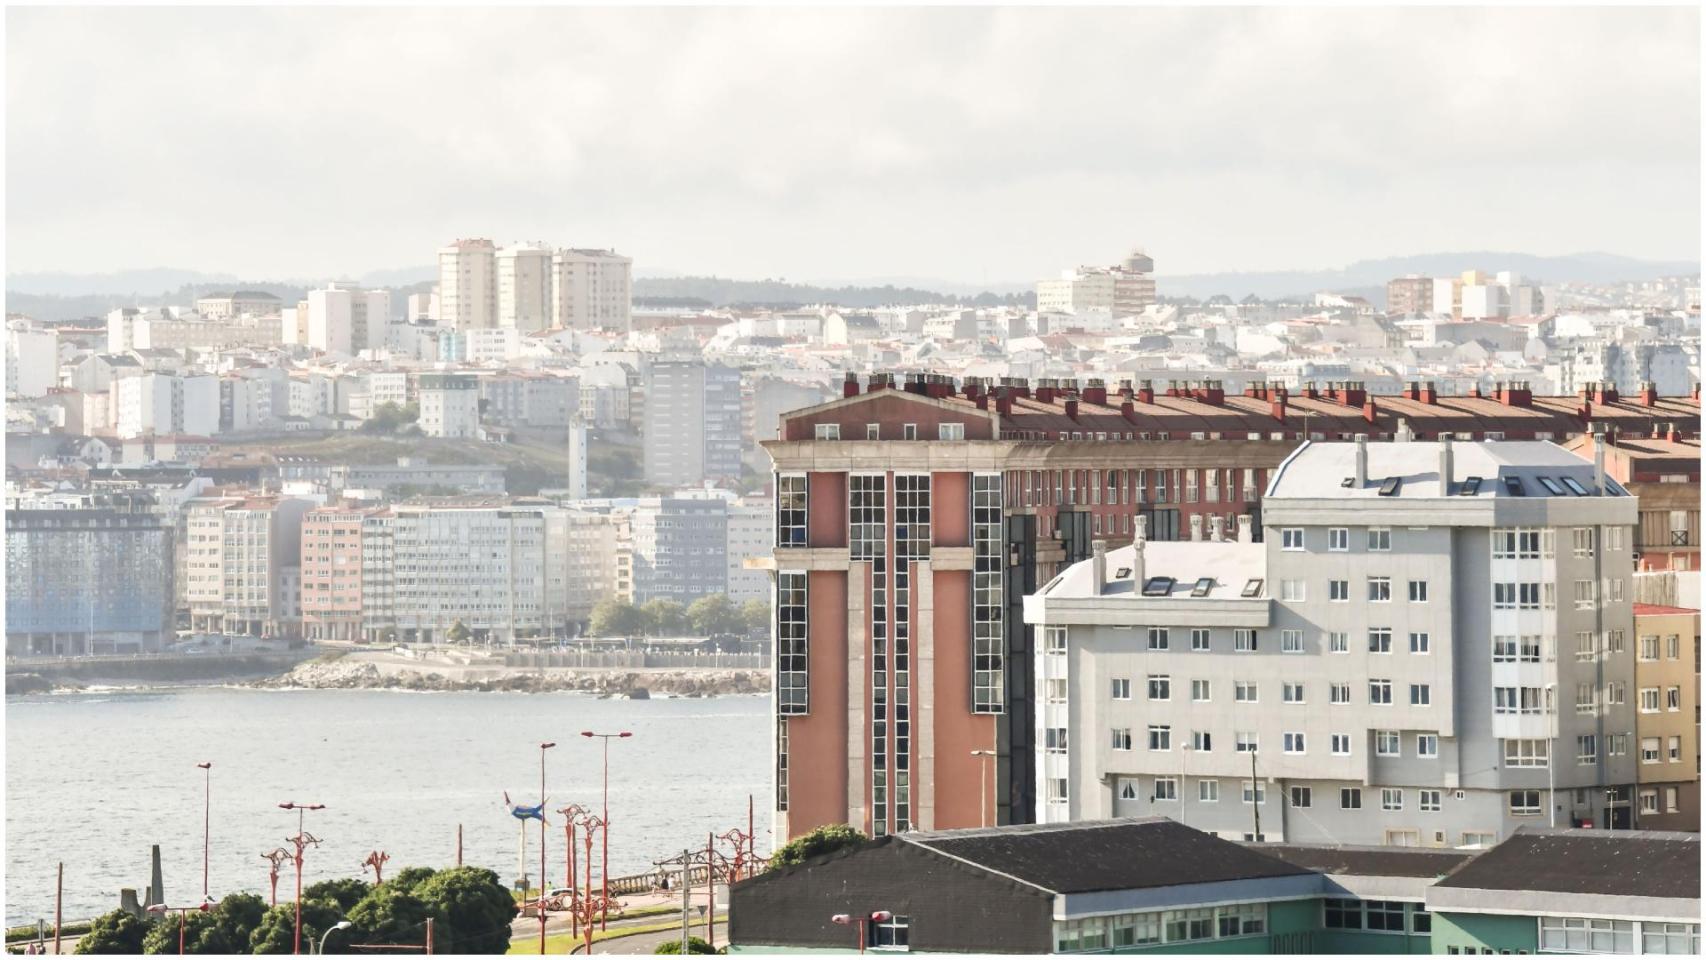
686, 895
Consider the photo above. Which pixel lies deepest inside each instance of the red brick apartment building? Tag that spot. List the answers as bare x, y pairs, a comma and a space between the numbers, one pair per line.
912, 518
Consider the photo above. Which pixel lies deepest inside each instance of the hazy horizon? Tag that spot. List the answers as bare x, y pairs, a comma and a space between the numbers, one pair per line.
963, 145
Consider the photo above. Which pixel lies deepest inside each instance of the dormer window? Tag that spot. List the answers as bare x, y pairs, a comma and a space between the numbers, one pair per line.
1158, 587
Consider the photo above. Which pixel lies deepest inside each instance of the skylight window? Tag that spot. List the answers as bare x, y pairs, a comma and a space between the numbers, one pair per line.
1122, 573
1574, 487
1158, 587
1204, 585
1389, 486
1470, 487
1513, 486
1252, 587
1348, 482
1551, 486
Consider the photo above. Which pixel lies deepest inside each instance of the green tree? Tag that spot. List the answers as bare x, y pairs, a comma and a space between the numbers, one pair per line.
388, 915
471, 910
408, 878
115, 932
276, 934
756, 613
237, 916
346, 892
694, 945
825, 839
391, 418
664, 618
715, 614
458, 633
616, 618
202, 934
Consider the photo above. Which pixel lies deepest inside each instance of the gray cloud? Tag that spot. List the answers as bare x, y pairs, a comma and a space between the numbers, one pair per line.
973, 144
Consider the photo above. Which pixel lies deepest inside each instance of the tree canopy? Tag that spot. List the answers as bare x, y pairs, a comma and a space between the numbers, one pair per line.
471, 909
115, 932
715, 614
825, 839
664, 618
346, 892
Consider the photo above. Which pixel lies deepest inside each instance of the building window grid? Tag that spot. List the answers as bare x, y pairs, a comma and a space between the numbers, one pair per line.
988, 597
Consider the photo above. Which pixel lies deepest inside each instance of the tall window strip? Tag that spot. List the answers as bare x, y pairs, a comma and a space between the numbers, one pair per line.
868, 515
879, 697
912, 543
781, 763
791, 510
988, 600
791, 643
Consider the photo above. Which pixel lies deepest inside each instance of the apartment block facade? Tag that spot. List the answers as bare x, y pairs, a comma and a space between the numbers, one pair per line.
592, 289
1667, 717
91, 579
242, 557
1073, 466
467, 284
1402, 660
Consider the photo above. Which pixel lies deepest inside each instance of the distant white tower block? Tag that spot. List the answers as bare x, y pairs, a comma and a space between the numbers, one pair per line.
577, 458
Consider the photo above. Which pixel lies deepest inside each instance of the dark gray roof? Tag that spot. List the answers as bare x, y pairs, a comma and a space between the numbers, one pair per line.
1128, 854
1359, 861
1626, 863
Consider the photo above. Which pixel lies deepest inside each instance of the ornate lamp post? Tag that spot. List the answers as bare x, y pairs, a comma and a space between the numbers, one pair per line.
604, 868
302, 841
275, 857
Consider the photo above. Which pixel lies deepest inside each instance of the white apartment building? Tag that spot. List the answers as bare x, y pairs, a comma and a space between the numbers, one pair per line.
428, 567
1398, 662
467, 284
32, 361
242, 559
524, 286
598, 560
161, 403
224, 306
1123, 290
345, 319
592, 288
449, 404
751, 536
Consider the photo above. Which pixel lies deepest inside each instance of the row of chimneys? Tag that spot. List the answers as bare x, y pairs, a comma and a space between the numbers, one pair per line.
1350, 393
1140, 538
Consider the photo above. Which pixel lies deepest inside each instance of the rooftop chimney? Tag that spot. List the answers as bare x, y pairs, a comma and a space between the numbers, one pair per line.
1145, 391
1649, 394
850, 385
1430, 396
1217, 528
1246, 528
1277, 406
1362, 461
1098, 565
1445, 465
1599, 461
1213, 393
1196, 528
1353, 393
1096, 391
1140, 536
1072, 408
1126, 391
1311, 391
1516, 394
1368, 409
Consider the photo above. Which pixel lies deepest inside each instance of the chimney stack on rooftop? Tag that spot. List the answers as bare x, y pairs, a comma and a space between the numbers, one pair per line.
1196, 528
1217, 528
1362, 461
1446, 465
1246, 528
1098, 565
1599, 459
1140, 535
850, 385
1649, 394
1146, 391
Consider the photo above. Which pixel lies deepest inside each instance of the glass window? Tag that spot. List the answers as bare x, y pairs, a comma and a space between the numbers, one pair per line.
1343, 915
1338, 539
1379, 538
1291, 538
1385, 915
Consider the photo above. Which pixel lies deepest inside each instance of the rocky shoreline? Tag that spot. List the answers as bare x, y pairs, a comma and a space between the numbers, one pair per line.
353, 674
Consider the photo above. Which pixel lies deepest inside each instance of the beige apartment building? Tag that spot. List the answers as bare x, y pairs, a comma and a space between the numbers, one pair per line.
1667, 719
467, 284
242, 565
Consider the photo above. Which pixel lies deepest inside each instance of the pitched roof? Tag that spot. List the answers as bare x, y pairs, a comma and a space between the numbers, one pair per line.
1086, 856
1363, 861
1637, 863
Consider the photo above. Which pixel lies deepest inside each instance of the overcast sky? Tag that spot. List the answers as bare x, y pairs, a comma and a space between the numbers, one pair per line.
962, 144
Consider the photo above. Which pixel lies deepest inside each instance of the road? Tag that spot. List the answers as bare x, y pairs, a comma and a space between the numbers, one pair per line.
647, 942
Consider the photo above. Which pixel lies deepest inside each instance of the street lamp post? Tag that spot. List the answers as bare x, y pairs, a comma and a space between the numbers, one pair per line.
984, 757
877, 916
340, 925
570, 813
301, 842
540, 906
604, 867
275, 857
206, 820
